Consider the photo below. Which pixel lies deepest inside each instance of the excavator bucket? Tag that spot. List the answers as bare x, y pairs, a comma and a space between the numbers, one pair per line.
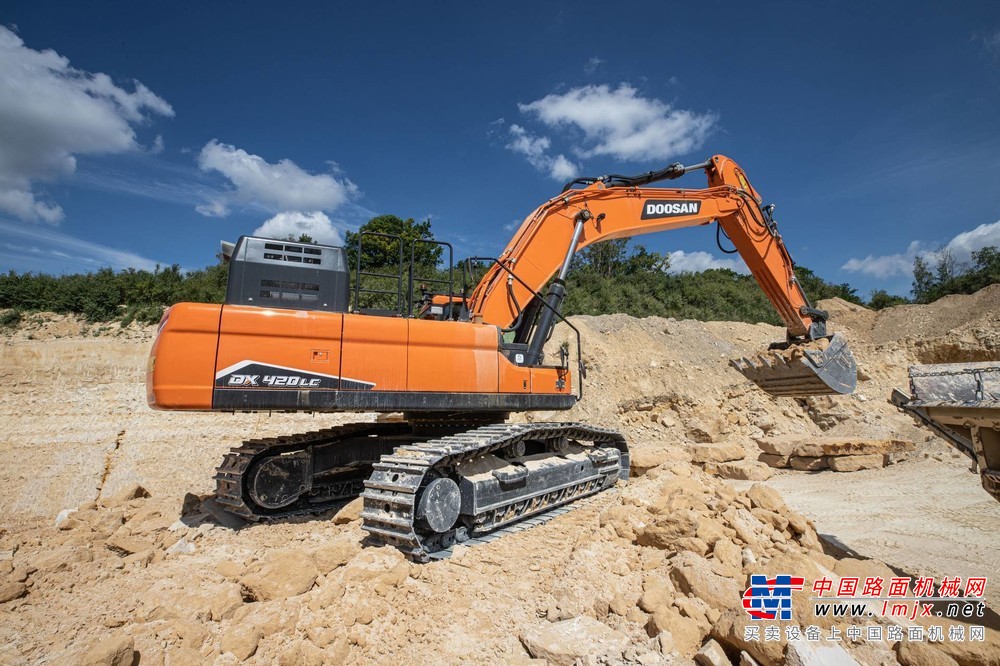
822, 367
961, 401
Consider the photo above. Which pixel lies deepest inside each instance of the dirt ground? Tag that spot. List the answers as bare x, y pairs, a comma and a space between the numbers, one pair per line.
652, 562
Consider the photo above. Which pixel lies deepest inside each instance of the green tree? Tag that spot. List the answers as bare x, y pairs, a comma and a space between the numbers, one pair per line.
817, 288
379, 252
882, 299
924, 284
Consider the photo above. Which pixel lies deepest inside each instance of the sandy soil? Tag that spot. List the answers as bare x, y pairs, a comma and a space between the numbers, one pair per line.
75, 430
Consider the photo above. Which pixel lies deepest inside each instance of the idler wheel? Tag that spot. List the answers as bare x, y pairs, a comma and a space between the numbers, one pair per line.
439, 505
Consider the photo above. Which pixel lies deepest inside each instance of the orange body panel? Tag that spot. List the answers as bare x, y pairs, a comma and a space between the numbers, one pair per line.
299, 339
374, 350
452, 356
514, 378
181, 368
550, 380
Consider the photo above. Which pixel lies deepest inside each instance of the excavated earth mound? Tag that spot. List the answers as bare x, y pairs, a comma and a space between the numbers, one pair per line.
112, 551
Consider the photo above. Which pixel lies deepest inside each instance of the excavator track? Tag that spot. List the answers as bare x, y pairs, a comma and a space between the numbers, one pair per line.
394, 495
231, 490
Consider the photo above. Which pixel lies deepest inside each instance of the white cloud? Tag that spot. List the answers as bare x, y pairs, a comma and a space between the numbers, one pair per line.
43, 249
536, 149
512, 225
592, 65
274, 187
316, 224
695, 262
49, 113
901, 263
622, 124
992, 42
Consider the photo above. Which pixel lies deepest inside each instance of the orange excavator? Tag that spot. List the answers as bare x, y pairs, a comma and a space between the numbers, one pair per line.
292, 336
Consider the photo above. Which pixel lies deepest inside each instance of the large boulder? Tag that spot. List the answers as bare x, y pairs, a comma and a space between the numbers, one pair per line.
664, 530
857, 463
730, 630
281, 574
717, 453
745, 470
685, 633
693, 575
580, 640
116, 650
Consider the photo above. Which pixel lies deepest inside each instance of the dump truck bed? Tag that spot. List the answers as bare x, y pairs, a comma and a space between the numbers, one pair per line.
962, 402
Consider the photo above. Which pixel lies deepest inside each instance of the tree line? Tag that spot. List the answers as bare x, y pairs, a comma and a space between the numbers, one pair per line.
613, 276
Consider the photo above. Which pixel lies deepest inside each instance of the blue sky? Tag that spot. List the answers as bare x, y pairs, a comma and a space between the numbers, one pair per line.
131, 136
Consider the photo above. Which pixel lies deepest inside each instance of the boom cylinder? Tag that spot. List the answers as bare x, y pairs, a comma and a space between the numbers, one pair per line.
555, 295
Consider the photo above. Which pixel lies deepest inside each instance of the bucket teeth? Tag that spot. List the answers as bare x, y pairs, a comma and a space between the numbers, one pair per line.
794, 373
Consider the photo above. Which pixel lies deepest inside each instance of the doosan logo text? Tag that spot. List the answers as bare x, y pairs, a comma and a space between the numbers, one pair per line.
653, 209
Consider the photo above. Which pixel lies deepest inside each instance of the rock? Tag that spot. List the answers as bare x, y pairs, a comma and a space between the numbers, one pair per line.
801, 652
124, 543
644, 459
717, 453
241, 641
281, 574
686, 633
182, 657
729, 631
747, 660
753, 533
11, 591
226, 601
766, 498
728, 554
61, 559
168, 600
130, 492
349, 513
63, 520
779, 446
116, 650
578, 640
693, 575
664, 530
747, 470
622, 520
270, 617
181, 547
221, 516
711, 654
192, 634
229, 569
851, 446
381, 566
104, 523
657, 593
807, 464
777, 462
336, 554
921, 654
327, 596
855, 463
796, 564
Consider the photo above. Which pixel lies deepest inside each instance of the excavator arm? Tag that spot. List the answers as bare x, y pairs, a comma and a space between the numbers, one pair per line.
622, 207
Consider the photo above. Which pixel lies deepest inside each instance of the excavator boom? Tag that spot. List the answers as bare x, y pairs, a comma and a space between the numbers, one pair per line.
807, 363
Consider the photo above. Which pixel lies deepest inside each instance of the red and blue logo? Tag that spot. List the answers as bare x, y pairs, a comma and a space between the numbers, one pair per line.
771, 598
